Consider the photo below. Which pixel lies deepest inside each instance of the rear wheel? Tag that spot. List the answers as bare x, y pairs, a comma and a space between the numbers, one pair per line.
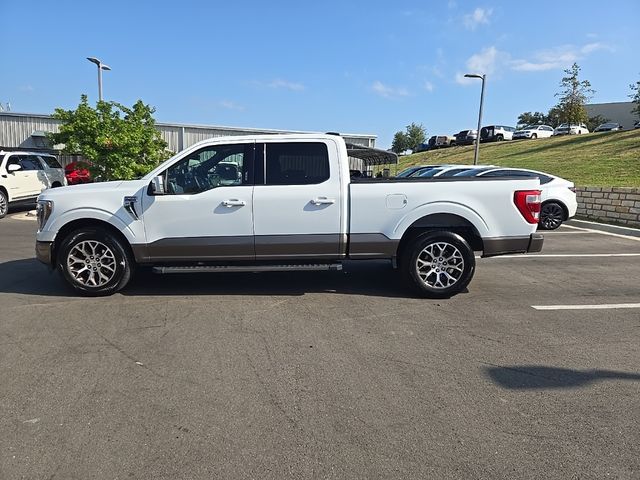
551, 216
95, 262
438, 264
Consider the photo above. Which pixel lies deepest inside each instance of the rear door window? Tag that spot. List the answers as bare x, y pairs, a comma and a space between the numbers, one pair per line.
293, 163
51, 162
30, 162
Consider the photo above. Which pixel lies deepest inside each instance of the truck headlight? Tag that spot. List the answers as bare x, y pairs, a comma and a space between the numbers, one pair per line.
43, 212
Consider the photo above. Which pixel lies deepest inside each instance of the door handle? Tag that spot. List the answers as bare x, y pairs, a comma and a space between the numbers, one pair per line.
234, 203
323, 201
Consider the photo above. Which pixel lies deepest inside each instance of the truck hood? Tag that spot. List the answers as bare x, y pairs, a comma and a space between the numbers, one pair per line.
127, 187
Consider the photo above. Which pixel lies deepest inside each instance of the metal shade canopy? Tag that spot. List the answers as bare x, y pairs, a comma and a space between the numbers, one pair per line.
371, 156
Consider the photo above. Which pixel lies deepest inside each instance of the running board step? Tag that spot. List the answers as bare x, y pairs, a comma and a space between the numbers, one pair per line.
248, 268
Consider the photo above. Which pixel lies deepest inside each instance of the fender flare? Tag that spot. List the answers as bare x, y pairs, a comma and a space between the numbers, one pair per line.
434, 208
85, 213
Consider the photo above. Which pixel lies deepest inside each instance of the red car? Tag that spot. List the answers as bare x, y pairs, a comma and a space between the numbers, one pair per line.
76, 172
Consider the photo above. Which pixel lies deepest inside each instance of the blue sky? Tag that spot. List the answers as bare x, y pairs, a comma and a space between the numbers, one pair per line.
358, 67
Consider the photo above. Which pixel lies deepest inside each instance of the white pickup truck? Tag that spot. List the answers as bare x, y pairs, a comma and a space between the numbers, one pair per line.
281, 202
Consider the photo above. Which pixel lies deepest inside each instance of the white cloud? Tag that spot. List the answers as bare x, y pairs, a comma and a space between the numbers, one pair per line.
229, 105
428, 86
488, 61
557, 57
478, 17
387, 91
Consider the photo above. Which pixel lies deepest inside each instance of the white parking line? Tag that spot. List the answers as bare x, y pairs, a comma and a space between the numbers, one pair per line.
567, 255
604, 306
590, 230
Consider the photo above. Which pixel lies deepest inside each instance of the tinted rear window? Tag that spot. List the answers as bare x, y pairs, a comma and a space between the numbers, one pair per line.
50, 161
300, 163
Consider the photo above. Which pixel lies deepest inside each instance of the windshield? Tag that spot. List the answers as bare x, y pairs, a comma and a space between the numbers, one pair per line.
408, 171
608, 125
530, 127
420, 171
430, 173
472, 173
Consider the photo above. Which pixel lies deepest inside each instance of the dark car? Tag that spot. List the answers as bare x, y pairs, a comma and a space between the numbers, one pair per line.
466, 137
608, 127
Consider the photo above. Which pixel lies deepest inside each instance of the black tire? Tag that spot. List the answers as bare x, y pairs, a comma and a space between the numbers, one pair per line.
534, 136
453, 258
4, 204
551, 216
499, 138
56, 185
110, 259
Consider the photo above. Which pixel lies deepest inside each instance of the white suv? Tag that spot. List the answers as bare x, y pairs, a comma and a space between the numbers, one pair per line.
24, 175
571, 129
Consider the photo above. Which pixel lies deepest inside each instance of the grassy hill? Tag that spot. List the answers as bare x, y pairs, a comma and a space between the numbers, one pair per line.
597, 159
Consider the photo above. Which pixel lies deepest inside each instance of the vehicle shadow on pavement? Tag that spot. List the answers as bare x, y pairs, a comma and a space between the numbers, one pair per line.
378, 279
532, 377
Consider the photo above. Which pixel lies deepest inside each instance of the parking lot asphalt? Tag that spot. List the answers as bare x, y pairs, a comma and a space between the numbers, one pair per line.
325, 375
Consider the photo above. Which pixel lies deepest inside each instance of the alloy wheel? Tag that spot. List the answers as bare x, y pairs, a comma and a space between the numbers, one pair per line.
440, 265
91, 263
551, 216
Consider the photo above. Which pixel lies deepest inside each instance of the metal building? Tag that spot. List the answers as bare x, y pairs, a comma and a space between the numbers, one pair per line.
28, 132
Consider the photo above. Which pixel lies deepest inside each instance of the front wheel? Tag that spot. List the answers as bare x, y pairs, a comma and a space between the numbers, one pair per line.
551, 216
439, 264
534, 136
95, 262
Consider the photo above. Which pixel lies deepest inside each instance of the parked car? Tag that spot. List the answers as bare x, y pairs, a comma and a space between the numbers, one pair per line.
445, 141
179, 219
24, 175
533, 132
423, 147
496, 133
608, 127
445, 171
637, 124
77, 173
571, 129
410, 171
466, 137
558, 195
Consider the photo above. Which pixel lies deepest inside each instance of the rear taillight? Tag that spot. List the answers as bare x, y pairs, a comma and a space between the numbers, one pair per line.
528, 203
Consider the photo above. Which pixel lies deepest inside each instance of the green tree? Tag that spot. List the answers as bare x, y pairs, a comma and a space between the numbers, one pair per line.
416, 134
118, 142
528, 118
574, 95
400, 142
554, 117
635, 97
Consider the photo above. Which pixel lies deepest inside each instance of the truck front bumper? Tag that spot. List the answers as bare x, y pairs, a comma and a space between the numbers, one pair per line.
43, 252
506, 245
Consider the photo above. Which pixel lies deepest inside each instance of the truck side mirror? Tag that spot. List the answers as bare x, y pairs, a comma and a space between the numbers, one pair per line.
157, 185
14, 167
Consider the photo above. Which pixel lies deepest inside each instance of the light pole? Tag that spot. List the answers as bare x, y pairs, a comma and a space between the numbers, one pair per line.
482, 77
101, 66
